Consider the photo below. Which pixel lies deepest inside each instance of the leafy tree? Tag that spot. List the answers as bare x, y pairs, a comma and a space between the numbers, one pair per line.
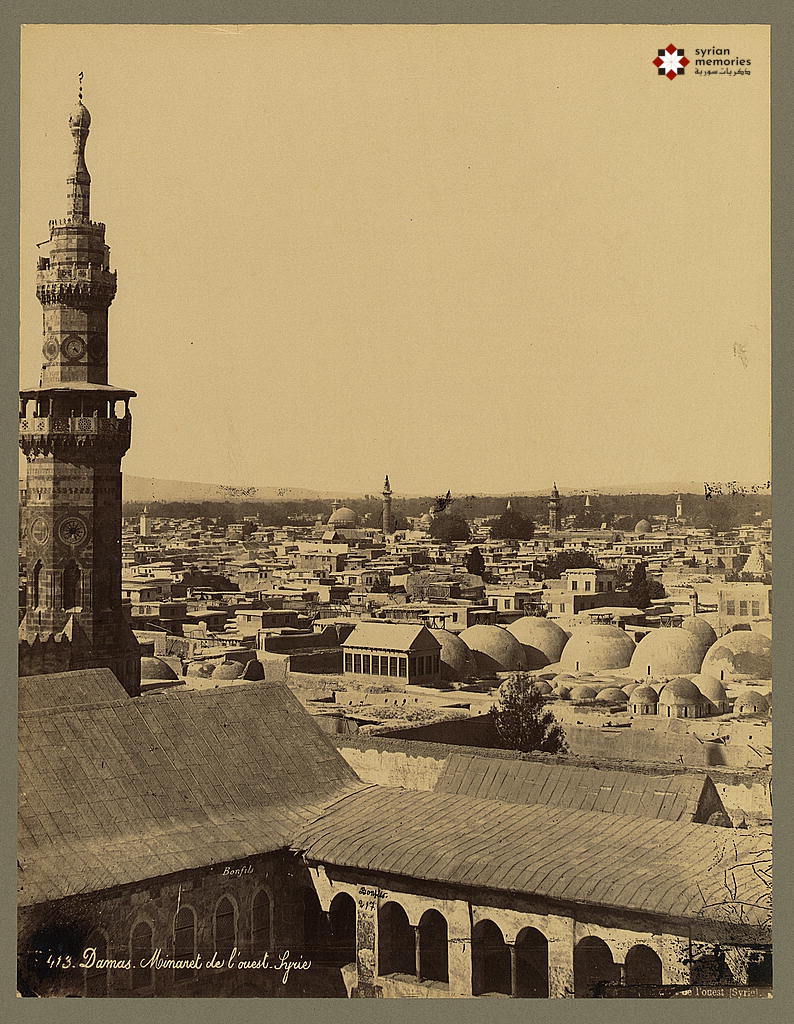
513, 525
208, 580
448, 527
475, 563
381, 584
568, 560
520, 720
639, 589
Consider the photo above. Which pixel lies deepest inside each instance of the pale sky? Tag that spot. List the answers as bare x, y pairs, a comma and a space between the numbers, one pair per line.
475, 257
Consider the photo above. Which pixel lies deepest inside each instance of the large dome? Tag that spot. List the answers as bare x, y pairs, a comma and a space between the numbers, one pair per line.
668, 652
156, 668
643, 526
595, 648
542, 640
494, 649
741, 654
457, 661
681, 691
343, 516
700, 628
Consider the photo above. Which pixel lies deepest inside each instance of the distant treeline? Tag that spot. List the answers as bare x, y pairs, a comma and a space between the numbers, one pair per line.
619, 511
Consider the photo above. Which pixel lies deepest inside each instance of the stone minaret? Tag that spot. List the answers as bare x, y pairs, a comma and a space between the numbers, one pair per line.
554, 509
388, 526
74, 429
679, 508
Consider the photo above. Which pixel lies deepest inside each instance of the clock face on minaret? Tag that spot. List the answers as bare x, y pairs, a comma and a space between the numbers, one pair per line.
74, 430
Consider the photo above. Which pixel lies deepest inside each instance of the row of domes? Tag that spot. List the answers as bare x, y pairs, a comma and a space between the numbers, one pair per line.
533, 642
158, 670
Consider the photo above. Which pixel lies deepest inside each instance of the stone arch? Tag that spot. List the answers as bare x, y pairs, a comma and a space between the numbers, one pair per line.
342, 921
224, 926
36, 584
71, 579
315, 926
261, 922
96, 977
593, 967
643, 966
433, 947
396, 941
184, 926
141, 949
532, 964
490, 960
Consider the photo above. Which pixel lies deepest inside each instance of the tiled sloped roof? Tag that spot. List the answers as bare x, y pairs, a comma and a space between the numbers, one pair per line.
656, 867
392, 636
58, 689
121, 791
669, 797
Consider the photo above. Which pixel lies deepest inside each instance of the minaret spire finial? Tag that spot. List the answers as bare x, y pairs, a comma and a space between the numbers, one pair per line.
80, 87
79, 181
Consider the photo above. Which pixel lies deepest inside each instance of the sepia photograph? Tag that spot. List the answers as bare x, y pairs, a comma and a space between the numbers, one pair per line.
395, 516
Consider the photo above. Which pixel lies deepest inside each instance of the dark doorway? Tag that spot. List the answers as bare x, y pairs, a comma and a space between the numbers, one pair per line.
593, 968
396, 941
433, 947
342, 918
490, 960
643, 966
532, 955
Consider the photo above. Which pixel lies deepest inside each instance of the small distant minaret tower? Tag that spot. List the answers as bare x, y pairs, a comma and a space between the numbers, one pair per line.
587, 502
143, 530
679, 508
388, 525
554, 509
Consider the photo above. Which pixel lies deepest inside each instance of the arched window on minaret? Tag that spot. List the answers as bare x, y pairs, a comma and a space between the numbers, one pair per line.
70, 586
37, 584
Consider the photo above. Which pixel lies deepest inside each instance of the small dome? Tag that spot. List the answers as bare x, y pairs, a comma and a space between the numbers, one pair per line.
596, 648
643, 526
542, 686
542, 639
627, 688
700, 628
343, 516
710, 687
644, 695
681, 691
583, 693
562, 692
229, 670
612, 693
743, 653
156, 668
668, 652
750, 702
254, 670
457, 661
200, 669
495, 650
80, 117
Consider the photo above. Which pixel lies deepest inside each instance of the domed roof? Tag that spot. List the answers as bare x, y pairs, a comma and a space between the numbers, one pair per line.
702, 629
542, 686
201, 669
628, 688
643, 526
426, 521
457, 661
343, 516
644, 695
744, 653
595, 648
749, 701
229, 670
681, 691
254, 670
710, 687
612, 693
669, 652
562, 692
156, 668
565, 678
582, 692
80, 117
542, 639
494, 649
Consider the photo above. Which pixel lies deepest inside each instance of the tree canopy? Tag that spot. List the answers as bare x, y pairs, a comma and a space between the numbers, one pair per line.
568, 560
475, 563
449, 526
513, 524
520, 721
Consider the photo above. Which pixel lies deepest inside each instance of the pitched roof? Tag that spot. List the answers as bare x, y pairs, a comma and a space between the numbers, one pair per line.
60, 689
667, 797
392, 636
655, 867
120, 791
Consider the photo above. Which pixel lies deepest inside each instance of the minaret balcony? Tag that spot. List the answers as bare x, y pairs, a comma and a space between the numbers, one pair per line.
69, 282
46, 435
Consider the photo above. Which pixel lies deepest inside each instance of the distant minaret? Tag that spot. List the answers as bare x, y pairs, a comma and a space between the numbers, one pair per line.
388, 527
143, 529
679, 508
554, 509
587, 501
